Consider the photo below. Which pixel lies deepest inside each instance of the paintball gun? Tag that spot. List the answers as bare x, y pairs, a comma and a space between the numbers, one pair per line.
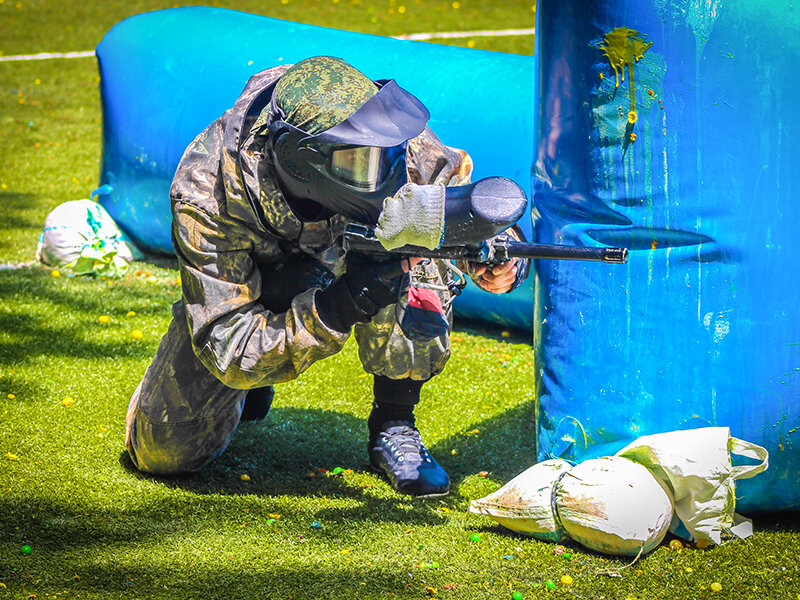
474, 216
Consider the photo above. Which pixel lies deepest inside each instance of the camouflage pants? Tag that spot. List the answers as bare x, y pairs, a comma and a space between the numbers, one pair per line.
181, 417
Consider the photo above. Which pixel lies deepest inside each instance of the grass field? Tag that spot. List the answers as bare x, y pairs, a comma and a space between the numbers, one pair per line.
99, 529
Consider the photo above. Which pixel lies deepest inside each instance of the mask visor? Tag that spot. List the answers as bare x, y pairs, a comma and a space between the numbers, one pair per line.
365, 167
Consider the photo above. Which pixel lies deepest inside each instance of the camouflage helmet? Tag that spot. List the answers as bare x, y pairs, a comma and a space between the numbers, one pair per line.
337, 138
320, 92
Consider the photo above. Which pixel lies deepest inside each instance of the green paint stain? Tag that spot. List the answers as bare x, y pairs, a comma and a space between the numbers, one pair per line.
624, 48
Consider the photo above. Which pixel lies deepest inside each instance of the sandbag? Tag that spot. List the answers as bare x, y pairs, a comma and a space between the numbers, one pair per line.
613, 505
81, 236
524, 504
695, 465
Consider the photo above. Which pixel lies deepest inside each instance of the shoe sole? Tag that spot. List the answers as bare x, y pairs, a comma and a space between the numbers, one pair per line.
421, 496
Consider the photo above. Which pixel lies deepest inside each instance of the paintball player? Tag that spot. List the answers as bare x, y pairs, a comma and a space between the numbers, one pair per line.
259, 201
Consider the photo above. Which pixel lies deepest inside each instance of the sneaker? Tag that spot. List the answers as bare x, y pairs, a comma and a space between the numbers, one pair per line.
398, 452
257, 403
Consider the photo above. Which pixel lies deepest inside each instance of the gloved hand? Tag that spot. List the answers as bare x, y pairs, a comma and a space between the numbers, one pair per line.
360, 293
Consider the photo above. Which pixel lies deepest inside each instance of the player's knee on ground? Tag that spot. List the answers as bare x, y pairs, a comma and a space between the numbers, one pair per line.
166, 448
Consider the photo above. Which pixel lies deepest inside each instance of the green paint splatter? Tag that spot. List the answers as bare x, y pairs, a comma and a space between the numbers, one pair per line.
624, 48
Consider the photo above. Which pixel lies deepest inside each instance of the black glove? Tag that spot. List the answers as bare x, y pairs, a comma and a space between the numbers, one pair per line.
359, 294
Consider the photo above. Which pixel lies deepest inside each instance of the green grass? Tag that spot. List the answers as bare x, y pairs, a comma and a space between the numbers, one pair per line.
99, 529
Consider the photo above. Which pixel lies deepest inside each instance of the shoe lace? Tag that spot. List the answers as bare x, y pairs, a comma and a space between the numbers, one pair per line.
406, 444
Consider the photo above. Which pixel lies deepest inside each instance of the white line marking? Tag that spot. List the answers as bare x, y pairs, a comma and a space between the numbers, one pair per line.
463, 34
407, 36
46, 55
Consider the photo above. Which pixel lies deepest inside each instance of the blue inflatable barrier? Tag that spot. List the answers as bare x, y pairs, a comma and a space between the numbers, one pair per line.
160, 89
670, 128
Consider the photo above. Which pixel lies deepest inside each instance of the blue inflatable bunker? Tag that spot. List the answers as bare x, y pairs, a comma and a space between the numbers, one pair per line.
159, 92
666, 127
671, 128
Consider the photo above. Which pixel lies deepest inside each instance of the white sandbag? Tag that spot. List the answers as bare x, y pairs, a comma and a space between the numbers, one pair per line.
81, 236
613, 505
524, 504
695, 465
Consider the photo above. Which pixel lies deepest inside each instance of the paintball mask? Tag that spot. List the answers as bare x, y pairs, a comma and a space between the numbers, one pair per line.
351, 167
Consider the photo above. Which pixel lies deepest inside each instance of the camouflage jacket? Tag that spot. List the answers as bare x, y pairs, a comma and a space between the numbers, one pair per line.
229, 215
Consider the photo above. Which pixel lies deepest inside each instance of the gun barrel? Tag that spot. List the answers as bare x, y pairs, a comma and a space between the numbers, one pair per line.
361, 238
617, 256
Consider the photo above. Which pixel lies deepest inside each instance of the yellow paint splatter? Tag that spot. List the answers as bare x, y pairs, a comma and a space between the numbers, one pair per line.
624, 48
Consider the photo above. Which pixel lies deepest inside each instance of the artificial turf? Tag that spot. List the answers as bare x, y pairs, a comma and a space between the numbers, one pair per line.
97, 528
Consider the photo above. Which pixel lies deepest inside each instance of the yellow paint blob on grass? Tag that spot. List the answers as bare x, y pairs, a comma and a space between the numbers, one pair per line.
67, 402
11, 456
717, 587
566, 580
